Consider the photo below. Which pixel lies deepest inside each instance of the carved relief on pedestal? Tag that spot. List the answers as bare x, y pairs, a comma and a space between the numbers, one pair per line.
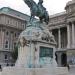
22, 41
47, 36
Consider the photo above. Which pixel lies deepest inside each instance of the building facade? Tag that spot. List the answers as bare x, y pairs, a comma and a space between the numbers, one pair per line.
62, 26
11, 24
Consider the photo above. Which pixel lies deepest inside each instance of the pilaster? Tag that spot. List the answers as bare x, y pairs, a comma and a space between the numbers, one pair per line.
73, 40
68, 36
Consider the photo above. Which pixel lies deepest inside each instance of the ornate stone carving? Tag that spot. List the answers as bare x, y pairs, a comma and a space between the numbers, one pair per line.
47, 36
22, 42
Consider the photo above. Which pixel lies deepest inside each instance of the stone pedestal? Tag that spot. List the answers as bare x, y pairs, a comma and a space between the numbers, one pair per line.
34, 71
36, 48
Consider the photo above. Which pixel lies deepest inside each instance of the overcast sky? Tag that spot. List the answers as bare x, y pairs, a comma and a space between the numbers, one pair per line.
52, 6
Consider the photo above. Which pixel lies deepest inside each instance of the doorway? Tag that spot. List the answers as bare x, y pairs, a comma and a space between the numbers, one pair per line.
64, 59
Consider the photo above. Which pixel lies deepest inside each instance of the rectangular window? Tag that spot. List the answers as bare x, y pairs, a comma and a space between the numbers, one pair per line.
15, 34
14, 45
6, 57
7, 33
6, 44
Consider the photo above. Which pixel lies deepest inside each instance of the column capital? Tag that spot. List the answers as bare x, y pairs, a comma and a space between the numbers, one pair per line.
73, 21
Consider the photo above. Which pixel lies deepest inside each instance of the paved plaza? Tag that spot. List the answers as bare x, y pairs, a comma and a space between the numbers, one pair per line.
72, 71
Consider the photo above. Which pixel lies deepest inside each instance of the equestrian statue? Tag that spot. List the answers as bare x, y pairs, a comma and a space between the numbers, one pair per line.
37, 10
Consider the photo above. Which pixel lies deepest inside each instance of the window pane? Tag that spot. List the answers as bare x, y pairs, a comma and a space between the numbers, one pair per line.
7, 33
5, 56
6, 46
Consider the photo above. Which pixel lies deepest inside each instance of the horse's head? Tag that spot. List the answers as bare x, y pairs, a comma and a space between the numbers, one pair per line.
29, 2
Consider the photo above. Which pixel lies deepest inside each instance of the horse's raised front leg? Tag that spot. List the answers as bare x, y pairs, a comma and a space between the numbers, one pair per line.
31, 19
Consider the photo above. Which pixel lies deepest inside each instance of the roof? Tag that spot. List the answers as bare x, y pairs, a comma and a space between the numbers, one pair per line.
12, 12
58, 14
19, 15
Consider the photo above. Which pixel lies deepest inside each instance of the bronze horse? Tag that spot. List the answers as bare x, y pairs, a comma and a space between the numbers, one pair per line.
37, 10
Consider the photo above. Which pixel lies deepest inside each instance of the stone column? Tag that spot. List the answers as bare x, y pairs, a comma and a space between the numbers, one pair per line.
11, 41
59, 59
0, 39
73, 40
59, 38
68, 36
